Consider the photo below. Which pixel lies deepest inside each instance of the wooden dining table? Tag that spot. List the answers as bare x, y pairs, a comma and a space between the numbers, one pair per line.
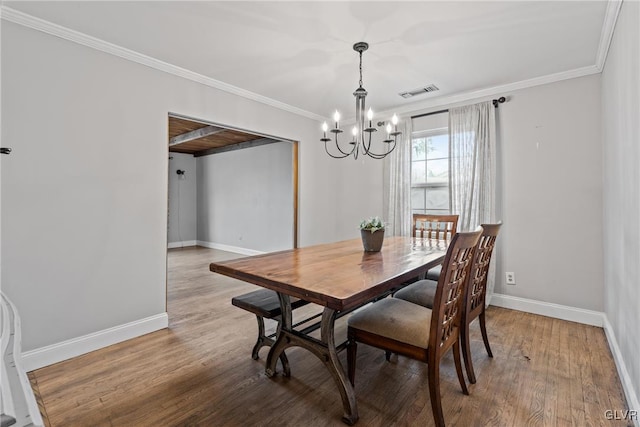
341, 277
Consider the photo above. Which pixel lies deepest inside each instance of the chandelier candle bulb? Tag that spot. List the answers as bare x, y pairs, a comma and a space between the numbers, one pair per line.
388, 129
336, 130
370, 117
395, 132
362, 135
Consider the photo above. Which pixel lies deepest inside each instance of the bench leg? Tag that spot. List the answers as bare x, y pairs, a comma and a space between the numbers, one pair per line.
265, 341
262, 341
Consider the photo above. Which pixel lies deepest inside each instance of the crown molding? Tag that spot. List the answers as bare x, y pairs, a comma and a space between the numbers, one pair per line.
611, 16
38, 24
446, 101
609, 25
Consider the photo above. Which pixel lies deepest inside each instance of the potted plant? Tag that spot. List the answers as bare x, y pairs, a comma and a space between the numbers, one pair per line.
372, 232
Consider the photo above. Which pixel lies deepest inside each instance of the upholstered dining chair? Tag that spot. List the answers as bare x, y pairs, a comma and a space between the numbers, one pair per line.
418, 332
434, 226
423, 292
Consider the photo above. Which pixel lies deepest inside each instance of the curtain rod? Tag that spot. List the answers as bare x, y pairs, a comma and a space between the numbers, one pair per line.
429, 114
494, 101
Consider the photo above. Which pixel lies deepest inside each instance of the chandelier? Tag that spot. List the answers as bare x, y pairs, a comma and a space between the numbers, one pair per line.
361, 133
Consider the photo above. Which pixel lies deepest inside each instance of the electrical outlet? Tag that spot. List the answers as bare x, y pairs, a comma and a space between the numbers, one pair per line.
511, 277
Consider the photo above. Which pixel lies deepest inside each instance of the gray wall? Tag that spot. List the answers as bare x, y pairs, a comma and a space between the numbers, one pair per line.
550, 193
182, 199
621, 152
245, 198
549, 186
84, 209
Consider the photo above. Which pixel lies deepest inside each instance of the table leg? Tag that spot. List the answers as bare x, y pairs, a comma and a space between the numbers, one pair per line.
324, 349
277, 349
334, 366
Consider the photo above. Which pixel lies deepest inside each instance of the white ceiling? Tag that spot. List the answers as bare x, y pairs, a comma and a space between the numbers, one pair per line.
300, 53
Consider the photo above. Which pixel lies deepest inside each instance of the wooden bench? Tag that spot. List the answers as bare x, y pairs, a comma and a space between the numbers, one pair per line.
264, 304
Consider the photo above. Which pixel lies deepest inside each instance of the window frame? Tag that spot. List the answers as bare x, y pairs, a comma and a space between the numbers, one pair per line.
426, 185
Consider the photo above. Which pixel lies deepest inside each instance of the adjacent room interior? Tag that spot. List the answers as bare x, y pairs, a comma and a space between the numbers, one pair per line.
230, 189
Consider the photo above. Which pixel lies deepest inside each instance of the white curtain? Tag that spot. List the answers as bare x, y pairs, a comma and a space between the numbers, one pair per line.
473, 169
397, 186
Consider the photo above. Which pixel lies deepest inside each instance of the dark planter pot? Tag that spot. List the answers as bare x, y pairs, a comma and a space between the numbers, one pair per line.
372, 242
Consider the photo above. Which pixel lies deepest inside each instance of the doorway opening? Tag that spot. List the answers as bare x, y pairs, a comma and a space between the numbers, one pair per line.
230, 189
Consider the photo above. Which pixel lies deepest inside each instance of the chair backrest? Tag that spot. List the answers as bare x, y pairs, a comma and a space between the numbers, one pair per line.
476, 291
435, 226
447, 304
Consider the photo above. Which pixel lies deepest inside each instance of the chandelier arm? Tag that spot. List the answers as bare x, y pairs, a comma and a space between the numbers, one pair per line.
379, 156
344, 153
368, 146
370, 153
335, 157
395, 139
390, 149
373, 154
340, 149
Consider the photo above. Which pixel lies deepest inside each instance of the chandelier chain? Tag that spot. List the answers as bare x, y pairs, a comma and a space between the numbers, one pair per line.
360, 69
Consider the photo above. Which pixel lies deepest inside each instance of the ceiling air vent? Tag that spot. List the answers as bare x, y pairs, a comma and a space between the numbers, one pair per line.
419, 91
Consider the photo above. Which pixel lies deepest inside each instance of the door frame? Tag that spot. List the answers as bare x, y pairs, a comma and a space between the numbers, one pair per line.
294, 176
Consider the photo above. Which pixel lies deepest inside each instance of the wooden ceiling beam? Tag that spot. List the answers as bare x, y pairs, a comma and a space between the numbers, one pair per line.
239, 146
195, 134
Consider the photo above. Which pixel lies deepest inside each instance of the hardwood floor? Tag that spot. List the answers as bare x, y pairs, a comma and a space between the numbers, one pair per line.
199, 372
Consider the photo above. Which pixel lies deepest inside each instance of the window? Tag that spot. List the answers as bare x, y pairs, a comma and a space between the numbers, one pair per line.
430, 172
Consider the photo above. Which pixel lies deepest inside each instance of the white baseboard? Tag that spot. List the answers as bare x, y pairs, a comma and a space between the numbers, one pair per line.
557, 311
172, 245
625, 378
38, 358
228, 248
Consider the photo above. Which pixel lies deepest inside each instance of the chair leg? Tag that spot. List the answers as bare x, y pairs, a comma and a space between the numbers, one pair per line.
387, 355
261, 339
352, 348
456, 359
434, 393
483, 329
466, 352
